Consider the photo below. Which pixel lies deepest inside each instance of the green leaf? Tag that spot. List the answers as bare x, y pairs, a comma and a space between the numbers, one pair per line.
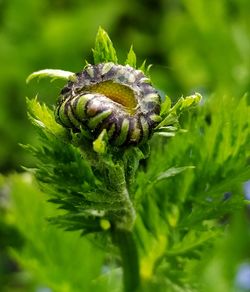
42, 117
28, 213
131, 58
172, 172
52, 73
191, 241
191, 100
171, 115
104, 50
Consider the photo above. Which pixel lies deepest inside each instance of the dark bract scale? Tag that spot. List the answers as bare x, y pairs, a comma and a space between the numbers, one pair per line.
107, 96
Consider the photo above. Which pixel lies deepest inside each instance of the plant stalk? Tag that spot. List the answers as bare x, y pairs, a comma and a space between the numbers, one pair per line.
124, 240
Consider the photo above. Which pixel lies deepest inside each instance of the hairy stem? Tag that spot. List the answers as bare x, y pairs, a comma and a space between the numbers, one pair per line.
128, 219
124, 240
113, 175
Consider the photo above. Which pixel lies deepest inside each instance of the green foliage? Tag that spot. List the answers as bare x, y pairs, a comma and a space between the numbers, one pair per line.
28, 43
9, 237
90, 189
189, 230
182, 202
170, 115
209, 39
47, 252
187, 214
223, 268
98, 186
194, 46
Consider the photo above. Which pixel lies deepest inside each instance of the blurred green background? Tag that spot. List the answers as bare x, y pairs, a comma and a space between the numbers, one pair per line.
195, 45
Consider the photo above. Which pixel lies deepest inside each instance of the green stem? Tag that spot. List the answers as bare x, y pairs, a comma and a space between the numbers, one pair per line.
130, 261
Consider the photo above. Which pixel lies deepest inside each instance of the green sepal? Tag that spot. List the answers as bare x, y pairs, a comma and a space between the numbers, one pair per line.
100, 144
52, 73
165, 106
131, 58
145, 69
104, 50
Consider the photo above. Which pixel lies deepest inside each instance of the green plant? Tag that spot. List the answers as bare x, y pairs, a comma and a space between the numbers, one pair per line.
84, 173
122, 195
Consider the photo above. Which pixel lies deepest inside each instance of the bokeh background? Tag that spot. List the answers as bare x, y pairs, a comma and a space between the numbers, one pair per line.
194, 45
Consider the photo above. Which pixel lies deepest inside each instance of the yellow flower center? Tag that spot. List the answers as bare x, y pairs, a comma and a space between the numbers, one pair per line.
117, 92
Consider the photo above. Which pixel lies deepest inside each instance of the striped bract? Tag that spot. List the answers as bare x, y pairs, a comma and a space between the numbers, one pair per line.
107, 96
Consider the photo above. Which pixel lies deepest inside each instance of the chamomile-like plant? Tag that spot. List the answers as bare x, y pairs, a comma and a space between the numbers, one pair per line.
93, 142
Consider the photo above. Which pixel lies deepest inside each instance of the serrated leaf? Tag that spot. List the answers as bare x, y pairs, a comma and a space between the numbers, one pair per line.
171, 115
170, 119
42, 117
191, 100
186, 102
104, 50
52, 73
192, 240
